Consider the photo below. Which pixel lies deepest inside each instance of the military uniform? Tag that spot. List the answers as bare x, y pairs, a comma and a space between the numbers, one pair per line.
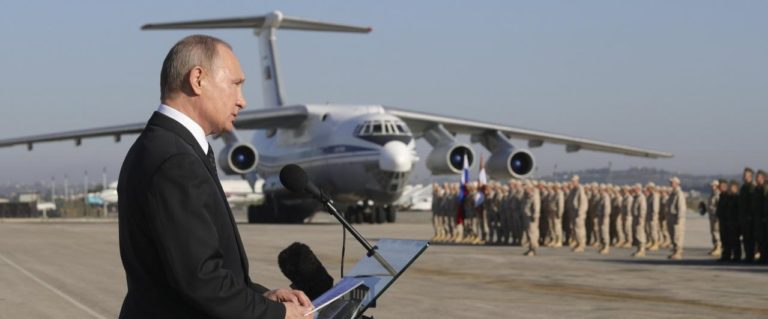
758, 221
557, 200
616, 223
504, 216
639, 210
745, 221
531, 212
727, 214
517, 215
450, 212
626, 219
491, 207
714, 223
544, 236
578, 202
604, 216
593, 225
666, 242
676, 221
436, 222
652, 219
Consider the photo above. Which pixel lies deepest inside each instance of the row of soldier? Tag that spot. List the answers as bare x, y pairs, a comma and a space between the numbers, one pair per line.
738, 218
534, 213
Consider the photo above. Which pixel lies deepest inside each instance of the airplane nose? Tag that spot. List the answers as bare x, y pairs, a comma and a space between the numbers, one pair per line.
395, 157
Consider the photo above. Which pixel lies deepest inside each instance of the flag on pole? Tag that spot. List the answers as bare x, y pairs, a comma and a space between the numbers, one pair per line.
482, 179
463, 191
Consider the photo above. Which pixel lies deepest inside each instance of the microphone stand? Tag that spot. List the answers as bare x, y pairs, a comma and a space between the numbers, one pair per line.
371, 250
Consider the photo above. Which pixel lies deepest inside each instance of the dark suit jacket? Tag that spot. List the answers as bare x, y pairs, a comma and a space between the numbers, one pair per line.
179, 244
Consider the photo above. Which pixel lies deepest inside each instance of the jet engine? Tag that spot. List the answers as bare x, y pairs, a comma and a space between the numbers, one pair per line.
238, 158
510, 162
449, 158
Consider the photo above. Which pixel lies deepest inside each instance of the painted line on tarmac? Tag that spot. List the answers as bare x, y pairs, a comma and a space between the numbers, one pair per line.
51, 288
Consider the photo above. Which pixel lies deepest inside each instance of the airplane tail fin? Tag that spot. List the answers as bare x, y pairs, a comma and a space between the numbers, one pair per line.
265, 27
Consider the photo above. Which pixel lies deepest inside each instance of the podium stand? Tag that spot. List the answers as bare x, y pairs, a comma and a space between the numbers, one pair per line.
368, 279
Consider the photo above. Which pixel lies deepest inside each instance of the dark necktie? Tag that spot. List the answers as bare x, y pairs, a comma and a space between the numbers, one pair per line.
211, 157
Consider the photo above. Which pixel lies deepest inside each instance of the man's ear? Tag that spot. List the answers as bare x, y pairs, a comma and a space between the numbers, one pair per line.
195, 80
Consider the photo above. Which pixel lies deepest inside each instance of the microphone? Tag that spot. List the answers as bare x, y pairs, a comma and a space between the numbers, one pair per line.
300, 265
295, 179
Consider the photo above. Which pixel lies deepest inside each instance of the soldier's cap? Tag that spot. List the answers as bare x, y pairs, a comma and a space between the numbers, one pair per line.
761, 172
650, 185
747, 169
734, 182
723, 181
675, 180
715, 183
575, 178
638, 185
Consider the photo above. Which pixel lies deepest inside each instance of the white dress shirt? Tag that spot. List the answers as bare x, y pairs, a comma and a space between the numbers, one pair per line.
188, 123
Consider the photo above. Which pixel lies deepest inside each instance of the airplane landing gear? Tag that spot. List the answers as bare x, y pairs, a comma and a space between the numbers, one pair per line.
367, 212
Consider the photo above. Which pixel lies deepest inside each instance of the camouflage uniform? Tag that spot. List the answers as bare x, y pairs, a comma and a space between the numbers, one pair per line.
652, 218
639, 211
531, 212
714, 223
676, 220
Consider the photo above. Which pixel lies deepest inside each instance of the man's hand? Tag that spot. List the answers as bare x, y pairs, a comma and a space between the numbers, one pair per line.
295, 311
286, 295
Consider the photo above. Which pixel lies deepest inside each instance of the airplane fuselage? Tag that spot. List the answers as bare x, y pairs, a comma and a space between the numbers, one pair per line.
352, 152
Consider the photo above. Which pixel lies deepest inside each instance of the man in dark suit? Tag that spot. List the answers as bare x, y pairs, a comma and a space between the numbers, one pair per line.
179, 244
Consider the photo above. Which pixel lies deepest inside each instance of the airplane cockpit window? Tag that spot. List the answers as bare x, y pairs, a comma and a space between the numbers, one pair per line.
382, 128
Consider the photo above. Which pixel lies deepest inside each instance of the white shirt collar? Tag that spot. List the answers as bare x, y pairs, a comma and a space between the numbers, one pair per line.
188, 123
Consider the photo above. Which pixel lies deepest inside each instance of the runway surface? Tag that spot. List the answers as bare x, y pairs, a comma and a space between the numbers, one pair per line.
72, 269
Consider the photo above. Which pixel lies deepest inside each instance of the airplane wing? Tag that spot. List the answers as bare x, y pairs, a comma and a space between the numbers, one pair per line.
278, 117
420, 122
283, 117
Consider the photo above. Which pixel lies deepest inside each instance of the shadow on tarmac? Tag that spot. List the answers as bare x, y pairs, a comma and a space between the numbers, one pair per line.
714, 264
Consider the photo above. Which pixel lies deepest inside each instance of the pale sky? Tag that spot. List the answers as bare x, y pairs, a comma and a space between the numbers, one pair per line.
687, 77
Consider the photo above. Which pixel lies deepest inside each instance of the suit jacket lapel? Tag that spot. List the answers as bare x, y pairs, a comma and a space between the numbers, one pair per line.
161, 120
168, 123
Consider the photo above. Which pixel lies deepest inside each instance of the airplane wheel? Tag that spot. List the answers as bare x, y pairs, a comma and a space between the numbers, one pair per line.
349, 213
391, 213
379, 215
368, 215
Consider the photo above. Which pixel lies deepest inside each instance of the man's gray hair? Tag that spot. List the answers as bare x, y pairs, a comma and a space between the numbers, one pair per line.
192, 51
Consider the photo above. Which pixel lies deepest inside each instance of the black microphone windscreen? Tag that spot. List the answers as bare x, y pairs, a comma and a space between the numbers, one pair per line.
306, 273
293, 178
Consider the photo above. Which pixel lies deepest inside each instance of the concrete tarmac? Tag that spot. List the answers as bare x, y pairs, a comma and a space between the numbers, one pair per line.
72, 269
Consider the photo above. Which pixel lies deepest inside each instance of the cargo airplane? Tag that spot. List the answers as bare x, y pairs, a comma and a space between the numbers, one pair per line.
361, 155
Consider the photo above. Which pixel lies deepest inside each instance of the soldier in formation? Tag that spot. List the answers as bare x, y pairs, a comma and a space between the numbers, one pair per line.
551, 214
741, 212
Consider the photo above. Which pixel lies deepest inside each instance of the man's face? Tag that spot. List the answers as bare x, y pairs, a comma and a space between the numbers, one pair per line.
747, 177
223, 94
723, 187
760, 179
